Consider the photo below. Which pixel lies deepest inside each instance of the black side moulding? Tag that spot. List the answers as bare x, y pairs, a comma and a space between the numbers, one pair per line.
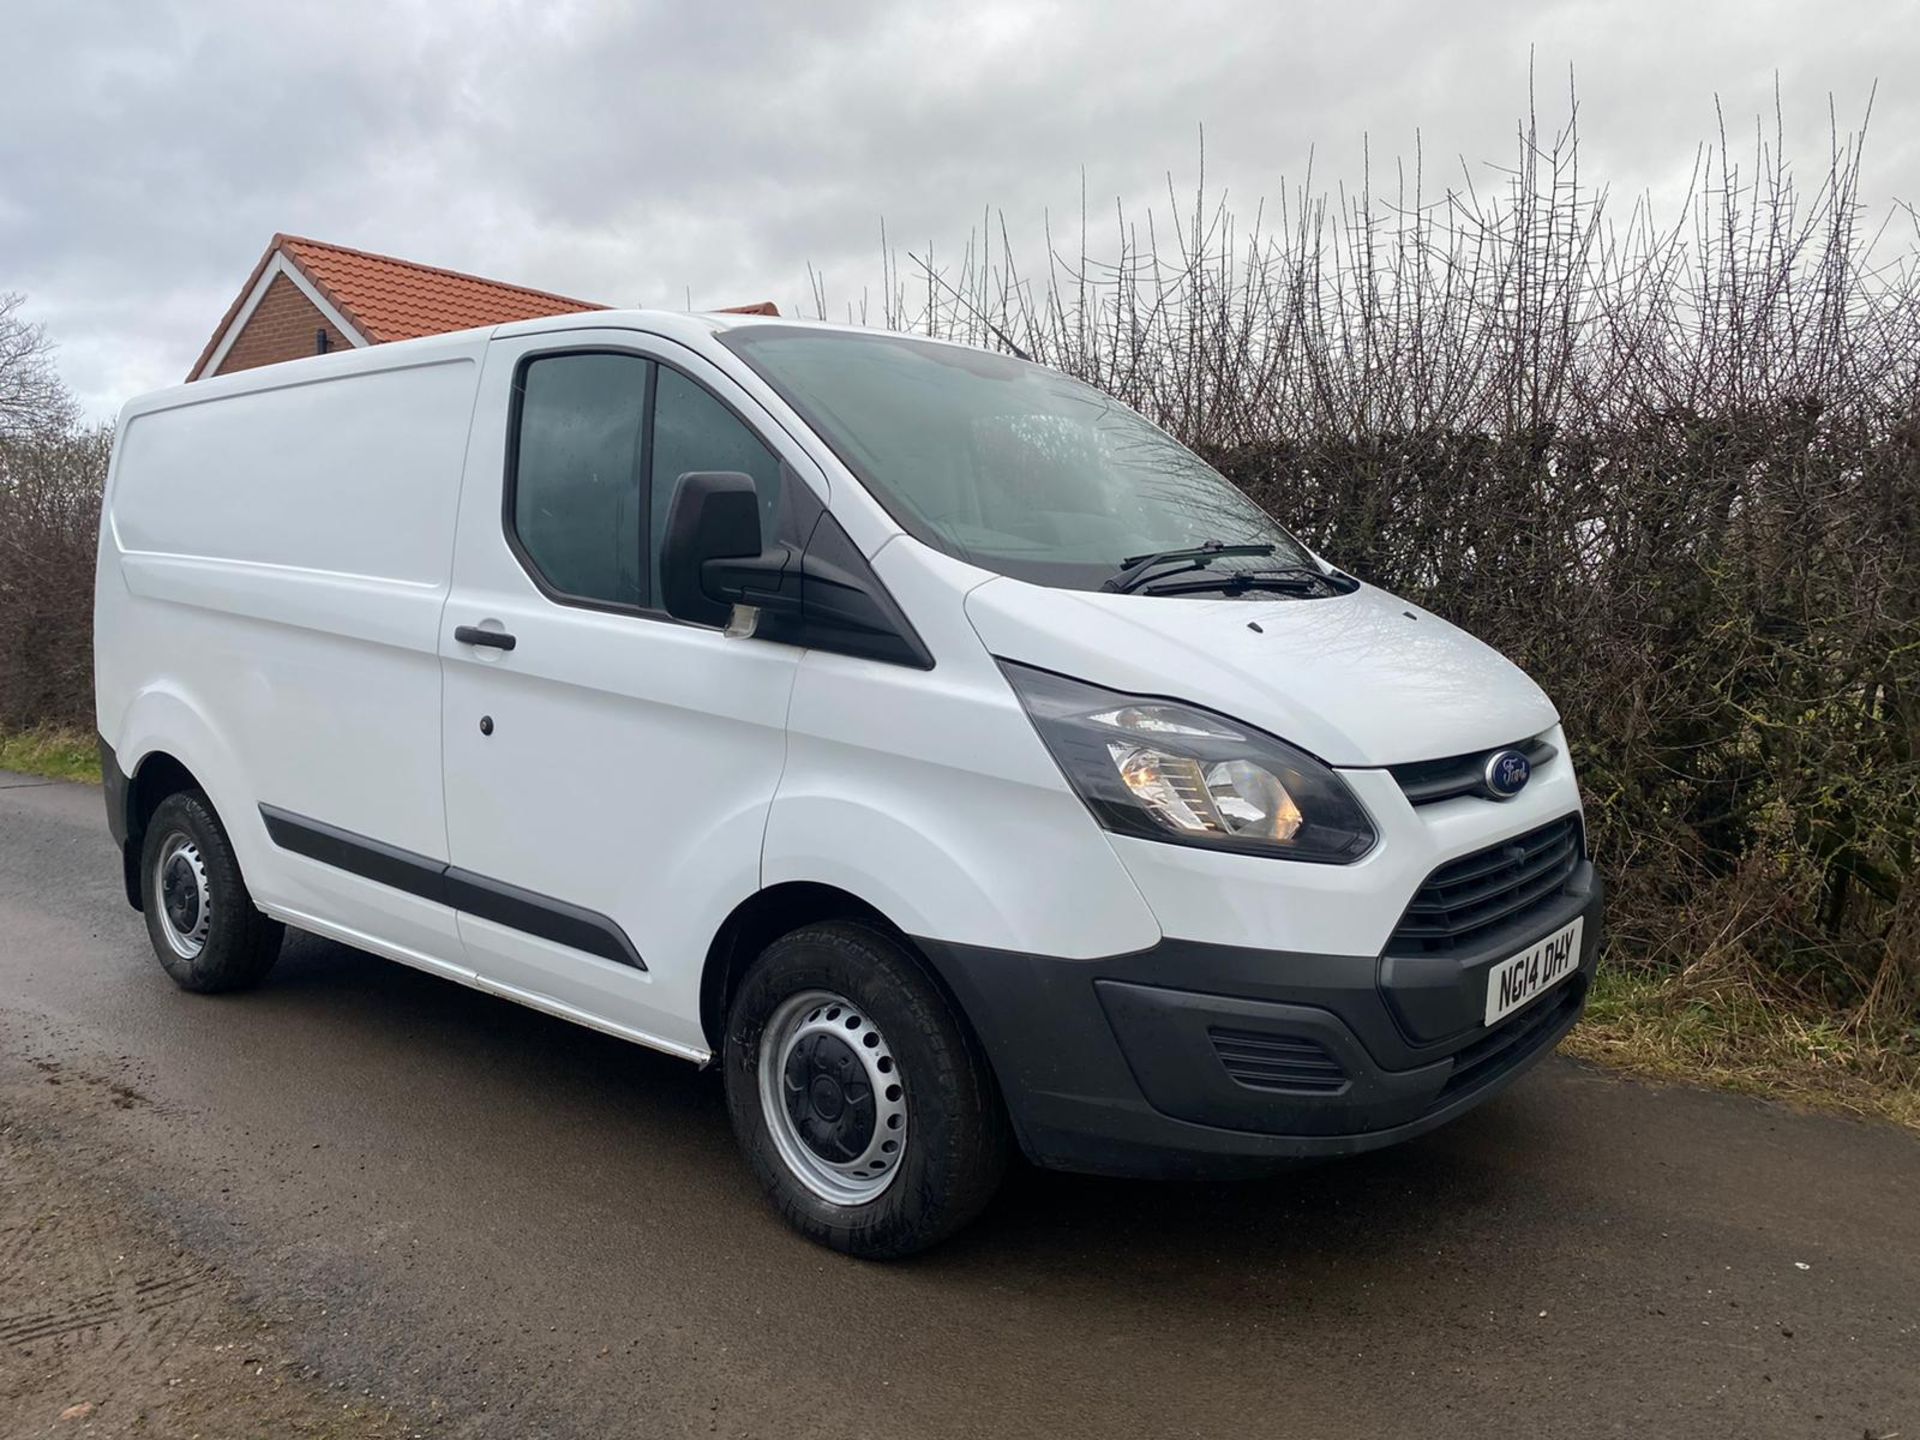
519, 909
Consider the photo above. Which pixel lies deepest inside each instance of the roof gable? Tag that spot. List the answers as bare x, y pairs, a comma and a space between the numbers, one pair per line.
376, 298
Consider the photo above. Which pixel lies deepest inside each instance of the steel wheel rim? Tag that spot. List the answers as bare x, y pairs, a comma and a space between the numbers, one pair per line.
181, 895
833, 1097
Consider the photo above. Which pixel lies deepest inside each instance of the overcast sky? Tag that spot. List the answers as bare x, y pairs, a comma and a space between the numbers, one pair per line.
642, 154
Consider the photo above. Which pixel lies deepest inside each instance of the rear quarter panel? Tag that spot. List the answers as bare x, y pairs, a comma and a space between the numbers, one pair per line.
274, 558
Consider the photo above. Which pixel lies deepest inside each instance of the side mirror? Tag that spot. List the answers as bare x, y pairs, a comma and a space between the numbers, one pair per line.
715, 515
815, 591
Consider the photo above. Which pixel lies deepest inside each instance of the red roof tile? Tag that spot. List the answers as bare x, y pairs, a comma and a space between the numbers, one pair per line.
391, 299
386, 298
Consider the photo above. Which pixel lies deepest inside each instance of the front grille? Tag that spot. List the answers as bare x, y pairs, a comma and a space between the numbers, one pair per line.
1427, 781
1278, 1062
1467, 901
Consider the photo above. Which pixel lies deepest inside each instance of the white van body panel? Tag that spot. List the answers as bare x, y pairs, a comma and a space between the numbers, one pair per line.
928, 795
1360, 679
256, 626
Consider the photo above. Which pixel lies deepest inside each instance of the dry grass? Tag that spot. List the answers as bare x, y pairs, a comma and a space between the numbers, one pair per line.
53, 754
1723, 1034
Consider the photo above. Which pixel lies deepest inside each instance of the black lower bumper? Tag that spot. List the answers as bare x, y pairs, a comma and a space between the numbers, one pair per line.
1192, 1059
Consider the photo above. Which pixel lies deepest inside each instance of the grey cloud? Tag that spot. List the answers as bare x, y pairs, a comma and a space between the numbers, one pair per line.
648, 154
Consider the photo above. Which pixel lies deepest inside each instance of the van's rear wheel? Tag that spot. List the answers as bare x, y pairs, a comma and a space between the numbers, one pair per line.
862, 1103
203, 923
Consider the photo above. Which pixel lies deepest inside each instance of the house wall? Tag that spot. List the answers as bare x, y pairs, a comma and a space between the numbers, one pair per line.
282, 327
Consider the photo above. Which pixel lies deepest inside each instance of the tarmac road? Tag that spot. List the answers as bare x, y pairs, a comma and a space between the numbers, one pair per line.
525, 1228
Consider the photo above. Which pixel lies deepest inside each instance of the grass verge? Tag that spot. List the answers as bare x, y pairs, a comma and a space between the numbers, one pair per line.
53, 754
1726, 1035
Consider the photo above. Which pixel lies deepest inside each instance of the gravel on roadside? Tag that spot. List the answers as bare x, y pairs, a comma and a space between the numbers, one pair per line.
109, 1325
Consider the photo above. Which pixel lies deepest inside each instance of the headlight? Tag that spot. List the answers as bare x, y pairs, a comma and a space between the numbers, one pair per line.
1165, 771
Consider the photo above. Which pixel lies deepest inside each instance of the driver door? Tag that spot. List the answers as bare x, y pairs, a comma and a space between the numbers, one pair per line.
608, 776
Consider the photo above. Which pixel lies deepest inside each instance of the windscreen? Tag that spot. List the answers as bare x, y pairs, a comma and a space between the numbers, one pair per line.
1002, 463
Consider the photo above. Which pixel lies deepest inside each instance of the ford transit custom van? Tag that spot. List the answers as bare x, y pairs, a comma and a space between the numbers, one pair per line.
918, 736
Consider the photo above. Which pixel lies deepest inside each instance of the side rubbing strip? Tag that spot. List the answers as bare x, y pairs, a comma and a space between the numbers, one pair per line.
344, 850
444, 884
535, 914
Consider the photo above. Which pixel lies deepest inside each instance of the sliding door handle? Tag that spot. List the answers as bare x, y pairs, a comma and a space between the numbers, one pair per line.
491, 639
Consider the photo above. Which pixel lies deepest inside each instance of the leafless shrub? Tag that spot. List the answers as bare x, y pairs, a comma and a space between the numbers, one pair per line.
50, 481
31, 395
1673, 471
50, 485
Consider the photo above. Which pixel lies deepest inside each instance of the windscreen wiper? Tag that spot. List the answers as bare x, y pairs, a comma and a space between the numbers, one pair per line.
1289, 579
1136, 570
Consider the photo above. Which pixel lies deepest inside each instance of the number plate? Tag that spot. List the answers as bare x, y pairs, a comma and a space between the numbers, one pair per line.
1541, 966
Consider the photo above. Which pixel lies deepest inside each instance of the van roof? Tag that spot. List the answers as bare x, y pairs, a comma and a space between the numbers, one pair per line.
712, 322
685, 325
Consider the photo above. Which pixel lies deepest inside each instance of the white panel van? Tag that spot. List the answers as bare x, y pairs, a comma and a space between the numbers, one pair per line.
922, 738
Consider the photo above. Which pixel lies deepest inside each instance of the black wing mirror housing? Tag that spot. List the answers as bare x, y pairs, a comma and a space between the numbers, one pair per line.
810, 588
711, 553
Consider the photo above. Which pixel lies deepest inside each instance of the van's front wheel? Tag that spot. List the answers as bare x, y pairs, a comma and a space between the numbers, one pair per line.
862, 1103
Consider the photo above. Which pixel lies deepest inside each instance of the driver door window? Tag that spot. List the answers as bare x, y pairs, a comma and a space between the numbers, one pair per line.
578, 503
600, 442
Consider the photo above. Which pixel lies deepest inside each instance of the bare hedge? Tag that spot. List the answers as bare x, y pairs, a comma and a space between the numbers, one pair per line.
1673, 472
51, 474
50, 481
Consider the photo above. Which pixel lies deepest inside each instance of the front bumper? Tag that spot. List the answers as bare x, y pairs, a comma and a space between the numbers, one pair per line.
1126, 1065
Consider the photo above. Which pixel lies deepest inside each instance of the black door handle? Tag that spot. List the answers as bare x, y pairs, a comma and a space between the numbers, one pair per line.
492, 639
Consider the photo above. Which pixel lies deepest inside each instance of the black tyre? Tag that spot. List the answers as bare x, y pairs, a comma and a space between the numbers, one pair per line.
860, 1099
203, 923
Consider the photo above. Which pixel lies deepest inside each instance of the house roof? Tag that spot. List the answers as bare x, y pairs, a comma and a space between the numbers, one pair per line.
392, 299
382, 297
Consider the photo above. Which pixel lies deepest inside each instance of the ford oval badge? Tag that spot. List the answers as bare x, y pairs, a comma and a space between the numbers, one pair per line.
1507, 773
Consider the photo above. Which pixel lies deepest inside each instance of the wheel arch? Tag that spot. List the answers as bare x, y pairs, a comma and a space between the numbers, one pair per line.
166, 742
777, 910
157, 775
